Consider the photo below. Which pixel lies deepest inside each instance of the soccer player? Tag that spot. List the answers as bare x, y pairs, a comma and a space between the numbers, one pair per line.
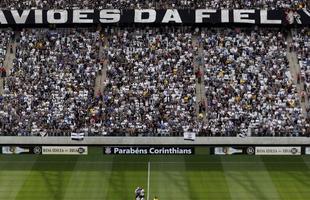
142, 194
156, 198
138, 192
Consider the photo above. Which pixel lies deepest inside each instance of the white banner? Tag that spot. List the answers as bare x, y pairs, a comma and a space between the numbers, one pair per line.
14, 150
77, 136
227, 151
65, 150
307, 150
277, 150
189, 136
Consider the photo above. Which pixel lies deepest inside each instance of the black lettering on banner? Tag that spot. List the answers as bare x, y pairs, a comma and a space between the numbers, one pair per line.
257, 150
35, 17
278, 150
65, 150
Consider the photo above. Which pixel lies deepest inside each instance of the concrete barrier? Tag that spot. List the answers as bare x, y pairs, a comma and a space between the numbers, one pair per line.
156, 141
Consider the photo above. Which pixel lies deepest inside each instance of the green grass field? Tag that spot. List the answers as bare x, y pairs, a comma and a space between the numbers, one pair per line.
96, 176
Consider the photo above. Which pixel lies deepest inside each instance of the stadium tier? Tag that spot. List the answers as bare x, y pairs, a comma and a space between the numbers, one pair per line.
51, 83
249, 85
156, 81
151, 82
123, 80
161, 4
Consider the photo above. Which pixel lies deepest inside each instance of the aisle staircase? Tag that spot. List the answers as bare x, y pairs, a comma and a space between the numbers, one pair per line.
199, 65
295, 70
102, 75
8, 63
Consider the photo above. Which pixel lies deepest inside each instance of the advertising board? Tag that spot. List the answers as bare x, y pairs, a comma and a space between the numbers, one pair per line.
21, 150
64, 150
273, 150
148, 150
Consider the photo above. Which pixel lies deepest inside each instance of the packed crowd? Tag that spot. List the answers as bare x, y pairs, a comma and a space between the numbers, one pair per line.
151, 83
5, 36
249, 87
51, 86
150, 86
161, 4
301, 45
151, 80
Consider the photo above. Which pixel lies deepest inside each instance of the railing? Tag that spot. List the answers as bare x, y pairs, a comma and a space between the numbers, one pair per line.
32, 140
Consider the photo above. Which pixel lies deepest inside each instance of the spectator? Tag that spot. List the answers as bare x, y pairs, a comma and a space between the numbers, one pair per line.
2, 72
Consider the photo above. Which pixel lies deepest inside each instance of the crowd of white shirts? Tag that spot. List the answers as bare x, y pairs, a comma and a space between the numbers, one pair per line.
301, 44
5, 36
151, 80
51, 85
161, 4
150, 87
249, 87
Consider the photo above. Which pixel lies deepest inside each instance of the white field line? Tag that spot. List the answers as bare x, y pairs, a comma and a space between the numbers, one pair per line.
148, 179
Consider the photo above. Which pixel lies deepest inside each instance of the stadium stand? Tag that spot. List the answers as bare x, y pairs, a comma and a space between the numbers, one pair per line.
5, 36
249, 86
122, 4
51, 83
151, 82
301, 45
159, 81
150, 88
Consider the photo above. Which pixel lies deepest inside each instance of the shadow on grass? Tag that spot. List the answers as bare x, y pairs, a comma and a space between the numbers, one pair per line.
137, 163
